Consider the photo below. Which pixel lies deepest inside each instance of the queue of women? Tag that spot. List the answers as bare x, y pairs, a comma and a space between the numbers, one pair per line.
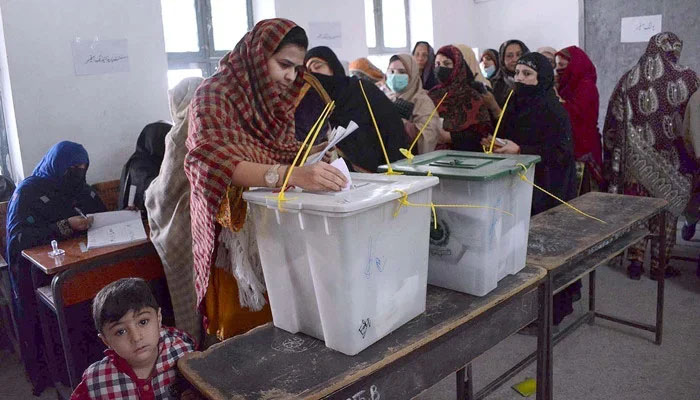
243, 126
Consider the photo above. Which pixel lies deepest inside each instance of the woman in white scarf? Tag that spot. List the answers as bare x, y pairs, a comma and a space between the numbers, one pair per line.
168, 203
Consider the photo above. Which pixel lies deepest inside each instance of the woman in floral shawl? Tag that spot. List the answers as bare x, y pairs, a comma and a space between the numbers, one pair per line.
644, 152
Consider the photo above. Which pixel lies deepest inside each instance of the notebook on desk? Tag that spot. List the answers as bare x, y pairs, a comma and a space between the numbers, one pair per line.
114, 228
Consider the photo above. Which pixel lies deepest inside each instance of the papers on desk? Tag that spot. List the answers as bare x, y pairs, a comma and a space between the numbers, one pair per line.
336, 135
115, 227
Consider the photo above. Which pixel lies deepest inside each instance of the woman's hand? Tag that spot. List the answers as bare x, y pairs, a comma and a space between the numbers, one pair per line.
509, 148
318, 177
445, 137
79, 223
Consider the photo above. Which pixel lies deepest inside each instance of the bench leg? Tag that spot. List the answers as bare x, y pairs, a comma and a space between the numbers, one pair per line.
465, 383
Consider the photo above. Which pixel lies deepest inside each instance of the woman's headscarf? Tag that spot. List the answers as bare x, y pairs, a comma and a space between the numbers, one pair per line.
326, 54
239, 114
548, 52
463, 106
58, 159
545, 73
493, 54
363, 68
473, 63
577, 87
415, 84
502, 56
428, 76
143, 166
167, 202
644, 120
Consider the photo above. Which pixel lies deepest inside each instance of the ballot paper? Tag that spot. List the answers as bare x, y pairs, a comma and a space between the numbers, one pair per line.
114, 228
343, 167
334, 137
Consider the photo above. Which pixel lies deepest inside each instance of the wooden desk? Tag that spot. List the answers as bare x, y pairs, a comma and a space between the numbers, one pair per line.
74, 281
268, 362
570, 246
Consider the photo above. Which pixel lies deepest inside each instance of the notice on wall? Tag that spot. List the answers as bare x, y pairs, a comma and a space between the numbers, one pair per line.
93, 57
325, 34
639, 29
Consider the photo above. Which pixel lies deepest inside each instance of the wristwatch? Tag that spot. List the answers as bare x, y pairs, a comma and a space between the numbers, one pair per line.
272, 176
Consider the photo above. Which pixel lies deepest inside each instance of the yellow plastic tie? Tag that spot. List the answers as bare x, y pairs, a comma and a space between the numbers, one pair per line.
409, 153
524, 179
498, 125
389, 171
403, 201
310, 138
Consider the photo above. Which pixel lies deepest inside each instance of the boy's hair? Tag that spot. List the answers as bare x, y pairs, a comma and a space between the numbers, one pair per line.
118, 298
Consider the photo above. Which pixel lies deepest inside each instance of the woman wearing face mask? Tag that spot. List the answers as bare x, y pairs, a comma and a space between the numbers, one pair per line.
403, 78
241, 135
643, 143
424, 55
577, 89
322, 60
45, 206
503, 81
486, 91
465, 115
536, 123
489, 64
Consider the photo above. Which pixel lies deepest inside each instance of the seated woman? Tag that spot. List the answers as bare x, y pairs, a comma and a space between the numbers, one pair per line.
143, 166
45, 206
242, 135
465, 115
404, 79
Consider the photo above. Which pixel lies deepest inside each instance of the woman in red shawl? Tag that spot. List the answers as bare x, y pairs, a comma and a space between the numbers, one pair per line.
466, 117
577, 89
241, 135
644, 152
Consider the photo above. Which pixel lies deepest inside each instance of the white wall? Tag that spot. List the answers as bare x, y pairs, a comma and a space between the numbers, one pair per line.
487, 24
50, 103
350, 13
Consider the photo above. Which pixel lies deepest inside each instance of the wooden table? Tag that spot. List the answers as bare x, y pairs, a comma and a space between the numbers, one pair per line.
72, 282
570, 246
268, 362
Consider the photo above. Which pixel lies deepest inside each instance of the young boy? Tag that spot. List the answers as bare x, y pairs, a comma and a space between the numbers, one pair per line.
141, 355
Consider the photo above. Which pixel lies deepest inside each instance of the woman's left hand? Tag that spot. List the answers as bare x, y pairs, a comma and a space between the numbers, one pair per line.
509, 148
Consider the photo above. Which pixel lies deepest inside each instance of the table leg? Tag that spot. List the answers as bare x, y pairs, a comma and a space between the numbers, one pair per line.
591, 296
470, 383
661, 278
461, 394
544, 340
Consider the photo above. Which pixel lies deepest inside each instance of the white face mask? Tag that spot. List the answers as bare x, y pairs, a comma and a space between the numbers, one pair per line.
487, 71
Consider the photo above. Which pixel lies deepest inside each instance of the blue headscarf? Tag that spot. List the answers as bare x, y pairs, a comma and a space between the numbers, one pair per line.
59, 158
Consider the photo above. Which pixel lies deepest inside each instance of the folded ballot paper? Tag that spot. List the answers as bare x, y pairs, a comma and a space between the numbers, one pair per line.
114, 228
336, 135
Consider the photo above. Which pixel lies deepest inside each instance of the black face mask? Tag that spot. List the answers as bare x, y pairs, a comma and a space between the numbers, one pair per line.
74, 179
522, 89
443, 74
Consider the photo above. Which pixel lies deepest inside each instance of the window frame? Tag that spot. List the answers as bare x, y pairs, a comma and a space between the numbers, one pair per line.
207, 58
380, 49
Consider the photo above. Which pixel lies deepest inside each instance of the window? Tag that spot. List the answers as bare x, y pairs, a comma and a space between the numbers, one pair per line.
387, 29
199, 32
5, 162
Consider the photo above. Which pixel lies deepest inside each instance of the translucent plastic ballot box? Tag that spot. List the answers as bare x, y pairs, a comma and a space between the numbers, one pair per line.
473, 248
342, 267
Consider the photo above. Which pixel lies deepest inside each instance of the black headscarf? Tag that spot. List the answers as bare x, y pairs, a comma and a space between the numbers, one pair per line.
144, 165
539, 124
362, 147
327, 55
502, 80
428, 77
